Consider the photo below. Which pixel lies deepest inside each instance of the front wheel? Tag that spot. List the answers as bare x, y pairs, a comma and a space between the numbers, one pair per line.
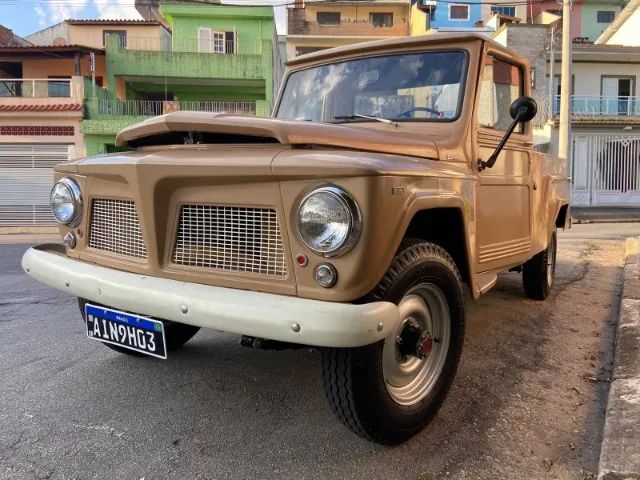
389, 391
538, 274
175, 334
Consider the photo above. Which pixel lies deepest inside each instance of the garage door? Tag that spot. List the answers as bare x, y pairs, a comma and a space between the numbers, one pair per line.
26, 177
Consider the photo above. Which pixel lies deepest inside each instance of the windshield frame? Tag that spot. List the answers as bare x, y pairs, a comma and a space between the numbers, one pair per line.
459, 107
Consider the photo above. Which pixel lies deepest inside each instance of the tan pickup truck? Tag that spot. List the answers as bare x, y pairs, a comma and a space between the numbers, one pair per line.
391, 176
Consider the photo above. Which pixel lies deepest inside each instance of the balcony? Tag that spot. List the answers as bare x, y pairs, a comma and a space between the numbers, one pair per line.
31, 93
187, 58
107, 116
218, 45
297, 25
600, 106
148, 108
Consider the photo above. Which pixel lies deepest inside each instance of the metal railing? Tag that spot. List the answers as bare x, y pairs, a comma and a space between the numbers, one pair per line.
184, 44
595, 105
159, 107
35, 87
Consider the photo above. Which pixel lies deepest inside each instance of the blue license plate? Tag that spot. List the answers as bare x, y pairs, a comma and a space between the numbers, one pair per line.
134, 332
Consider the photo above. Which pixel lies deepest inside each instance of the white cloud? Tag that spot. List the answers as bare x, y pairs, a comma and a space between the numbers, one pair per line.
116, 9
56, 12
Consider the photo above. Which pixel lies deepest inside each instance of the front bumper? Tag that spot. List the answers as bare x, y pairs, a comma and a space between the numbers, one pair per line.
263, 315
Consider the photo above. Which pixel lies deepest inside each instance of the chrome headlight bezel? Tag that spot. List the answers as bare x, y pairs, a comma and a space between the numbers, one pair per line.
75, 199
354, 224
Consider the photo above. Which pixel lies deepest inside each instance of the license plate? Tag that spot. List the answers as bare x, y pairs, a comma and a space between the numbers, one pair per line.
137, 333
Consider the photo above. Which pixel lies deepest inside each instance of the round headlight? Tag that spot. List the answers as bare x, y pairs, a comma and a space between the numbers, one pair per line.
66, 201
329, 221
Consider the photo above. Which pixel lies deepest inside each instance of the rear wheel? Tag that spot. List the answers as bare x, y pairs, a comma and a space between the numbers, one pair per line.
389, 391
176, 334
538, 274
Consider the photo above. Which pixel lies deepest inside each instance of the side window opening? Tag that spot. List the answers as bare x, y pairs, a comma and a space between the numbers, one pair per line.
501, 84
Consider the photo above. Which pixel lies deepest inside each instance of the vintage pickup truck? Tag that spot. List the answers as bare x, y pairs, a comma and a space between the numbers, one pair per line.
391, 176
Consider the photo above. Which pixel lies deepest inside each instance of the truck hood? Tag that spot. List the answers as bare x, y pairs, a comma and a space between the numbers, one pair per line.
224, 128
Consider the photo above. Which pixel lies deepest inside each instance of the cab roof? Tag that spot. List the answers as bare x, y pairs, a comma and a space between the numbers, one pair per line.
400, 43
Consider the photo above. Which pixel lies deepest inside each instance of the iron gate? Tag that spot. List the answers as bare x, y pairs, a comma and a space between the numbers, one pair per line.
605, 169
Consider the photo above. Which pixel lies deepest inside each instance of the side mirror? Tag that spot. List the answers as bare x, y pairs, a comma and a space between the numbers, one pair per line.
522, 109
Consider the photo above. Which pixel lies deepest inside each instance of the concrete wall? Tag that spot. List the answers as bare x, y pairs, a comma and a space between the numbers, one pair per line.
588, 76
61, 67
49, 34
529, 41
629, 32
590, 26
47, 119
92, 35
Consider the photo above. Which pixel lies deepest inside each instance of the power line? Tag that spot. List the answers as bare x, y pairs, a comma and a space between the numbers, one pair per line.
68, 3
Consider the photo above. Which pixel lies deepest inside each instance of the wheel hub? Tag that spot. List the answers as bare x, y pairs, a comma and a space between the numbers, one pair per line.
414, 355
413, 340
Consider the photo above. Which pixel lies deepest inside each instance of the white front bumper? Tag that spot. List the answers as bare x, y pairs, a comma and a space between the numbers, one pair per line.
263, 315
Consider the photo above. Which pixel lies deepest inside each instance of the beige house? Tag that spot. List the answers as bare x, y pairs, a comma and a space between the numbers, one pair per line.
321, 25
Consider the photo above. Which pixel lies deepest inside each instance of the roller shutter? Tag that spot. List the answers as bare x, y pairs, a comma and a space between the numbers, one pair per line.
26, 177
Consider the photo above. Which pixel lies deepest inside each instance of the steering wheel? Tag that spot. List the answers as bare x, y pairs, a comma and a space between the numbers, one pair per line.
420, 109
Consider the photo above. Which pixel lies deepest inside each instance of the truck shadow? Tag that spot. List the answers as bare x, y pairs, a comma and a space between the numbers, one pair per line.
216, 406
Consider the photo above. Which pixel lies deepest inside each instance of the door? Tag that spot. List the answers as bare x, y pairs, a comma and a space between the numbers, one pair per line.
617, 93
503, 203
26, 178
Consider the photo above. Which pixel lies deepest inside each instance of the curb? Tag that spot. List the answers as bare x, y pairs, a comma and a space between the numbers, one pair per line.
620, 451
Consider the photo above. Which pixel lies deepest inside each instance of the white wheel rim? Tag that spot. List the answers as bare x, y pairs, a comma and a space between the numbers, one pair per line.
409, 379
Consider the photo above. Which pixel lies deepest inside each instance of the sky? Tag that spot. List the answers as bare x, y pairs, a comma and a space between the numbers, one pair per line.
28, 16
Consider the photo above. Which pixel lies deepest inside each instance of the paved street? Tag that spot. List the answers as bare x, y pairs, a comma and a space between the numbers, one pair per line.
527, 402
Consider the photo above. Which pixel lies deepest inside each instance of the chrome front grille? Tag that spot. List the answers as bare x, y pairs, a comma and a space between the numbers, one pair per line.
238, 239
115, 228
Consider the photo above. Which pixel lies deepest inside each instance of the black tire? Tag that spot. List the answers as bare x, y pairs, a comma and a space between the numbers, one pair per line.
176, 334
539, 272
353, 377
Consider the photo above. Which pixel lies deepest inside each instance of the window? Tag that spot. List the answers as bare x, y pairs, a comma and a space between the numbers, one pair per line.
404, 87
501, 84
210, 41
458, 12
121, 34
605, 16
509, 10
328, 18
381, 19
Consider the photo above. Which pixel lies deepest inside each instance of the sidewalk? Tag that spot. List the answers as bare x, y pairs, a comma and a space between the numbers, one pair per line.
620, 452
7, 238
605, 214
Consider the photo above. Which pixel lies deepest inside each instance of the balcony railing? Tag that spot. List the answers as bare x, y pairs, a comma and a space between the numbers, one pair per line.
35, 88
185, 44
159, 107
600, 106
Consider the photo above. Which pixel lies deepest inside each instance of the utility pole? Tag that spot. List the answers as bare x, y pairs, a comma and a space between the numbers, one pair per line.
552, 61
565, 79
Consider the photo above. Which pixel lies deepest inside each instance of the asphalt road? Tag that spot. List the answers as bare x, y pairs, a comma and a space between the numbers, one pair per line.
527, 402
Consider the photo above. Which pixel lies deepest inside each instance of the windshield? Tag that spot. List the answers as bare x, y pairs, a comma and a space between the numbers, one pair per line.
411, 86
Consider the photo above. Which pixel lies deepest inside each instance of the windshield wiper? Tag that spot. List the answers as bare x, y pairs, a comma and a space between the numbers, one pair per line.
368, 117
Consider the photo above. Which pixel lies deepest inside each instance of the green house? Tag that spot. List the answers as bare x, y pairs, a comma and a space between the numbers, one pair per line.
214, 58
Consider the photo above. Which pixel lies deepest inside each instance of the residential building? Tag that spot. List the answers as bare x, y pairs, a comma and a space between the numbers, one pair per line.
316, 26
10, 39
596, 16
217, 58
432, 16
42, 89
